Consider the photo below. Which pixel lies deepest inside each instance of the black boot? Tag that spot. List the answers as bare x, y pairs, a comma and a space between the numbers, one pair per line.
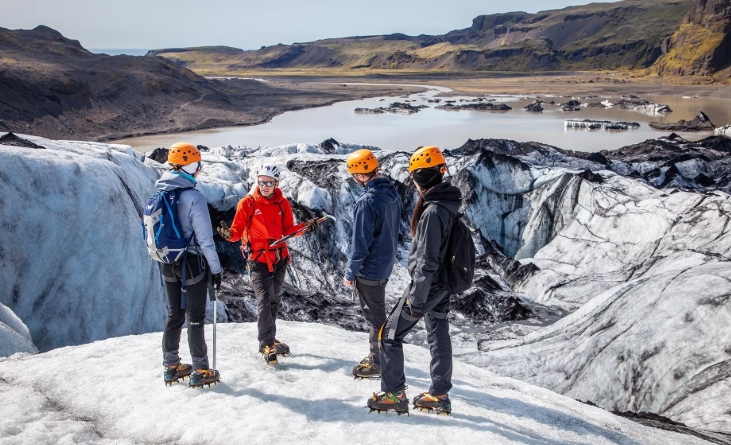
388, 401
366, 369
428, 402
174, 374
270, 354
201, 377
282, 348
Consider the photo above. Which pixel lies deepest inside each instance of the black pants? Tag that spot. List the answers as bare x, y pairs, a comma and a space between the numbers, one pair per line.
372, 296
267, 288
393, 378
195, 312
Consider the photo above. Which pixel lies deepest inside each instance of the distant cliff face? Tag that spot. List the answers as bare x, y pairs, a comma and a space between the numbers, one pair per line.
625, 34
702, 45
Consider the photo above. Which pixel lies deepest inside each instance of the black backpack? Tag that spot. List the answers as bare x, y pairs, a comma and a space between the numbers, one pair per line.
458, 270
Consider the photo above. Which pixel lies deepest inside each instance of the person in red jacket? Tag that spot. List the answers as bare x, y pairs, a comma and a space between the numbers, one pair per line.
263, 216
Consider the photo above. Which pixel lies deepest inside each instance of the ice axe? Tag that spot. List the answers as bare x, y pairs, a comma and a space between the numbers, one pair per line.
300, 232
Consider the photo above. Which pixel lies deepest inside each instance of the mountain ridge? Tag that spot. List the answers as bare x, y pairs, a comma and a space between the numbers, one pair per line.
626, 34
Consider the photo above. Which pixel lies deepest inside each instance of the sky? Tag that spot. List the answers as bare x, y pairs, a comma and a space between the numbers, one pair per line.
155, 24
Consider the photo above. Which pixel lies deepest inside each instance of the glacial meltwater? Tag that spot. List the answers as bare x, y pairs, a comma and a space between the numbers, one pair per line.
450, 129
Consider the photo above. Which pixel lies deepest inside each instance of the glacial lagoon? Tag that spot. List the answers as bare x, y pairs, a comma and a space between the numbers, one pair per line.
450, 129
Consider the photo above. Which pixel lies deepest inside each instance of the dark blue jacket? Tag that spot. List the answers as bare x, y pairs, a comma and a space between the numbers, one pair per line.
376, 221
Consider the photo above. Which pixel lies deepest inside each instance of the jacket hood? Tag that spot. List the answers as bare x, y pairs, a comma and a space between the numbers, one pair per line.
171, 181
383, 189
445, 194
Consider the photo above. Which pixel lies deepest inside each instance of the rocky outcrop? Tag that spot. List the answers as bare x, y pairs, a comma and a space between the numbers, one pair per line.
699, 123
53, 87
395, 108
535, 107
702, 45
481, 106
643, 106
598, 36
596, 125
572, 105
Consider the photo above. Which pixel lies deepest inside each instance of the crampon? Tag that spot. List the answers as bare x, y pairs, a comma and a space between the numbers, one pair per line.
366, 369
173, 375
388, 401
282, 348
270, 354
201, 377
432, 404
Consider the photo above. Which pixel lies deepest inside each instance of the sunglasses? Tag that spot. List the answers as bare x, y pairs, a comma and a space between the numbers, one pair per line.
267, 183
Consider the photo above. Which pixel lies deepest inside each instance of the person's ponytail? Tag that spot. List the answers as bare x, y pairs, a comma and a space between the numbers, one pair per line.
418, 210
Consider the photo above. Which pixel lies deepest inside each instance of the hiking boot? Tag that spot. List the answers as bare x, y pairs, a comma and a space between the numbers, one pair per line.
175, 373
388, 401
366, 369
201, 377
366, 361
282, 348
270, 353
428, 402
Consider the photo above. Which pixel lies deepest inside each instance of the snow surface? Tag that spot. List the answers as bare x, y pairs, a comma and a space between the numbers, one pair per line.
73, 267
119, 397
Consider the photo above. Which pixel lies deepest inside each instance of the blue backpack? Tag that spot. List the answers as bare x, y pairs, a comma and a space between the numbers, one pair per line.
161, 227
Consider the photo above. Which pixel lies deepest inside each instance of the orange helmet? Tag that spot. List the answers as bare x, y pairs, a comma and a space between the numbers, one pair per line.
362, 162
183, 153
426, 157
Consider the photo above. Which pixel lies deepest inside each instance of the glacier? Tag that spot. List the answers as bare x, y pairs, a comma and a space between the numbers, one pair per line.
603, 276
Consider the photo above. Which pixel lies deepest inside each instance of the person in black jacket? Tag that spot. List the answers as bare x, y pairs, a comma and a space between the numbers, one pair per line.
376, 222
425, 297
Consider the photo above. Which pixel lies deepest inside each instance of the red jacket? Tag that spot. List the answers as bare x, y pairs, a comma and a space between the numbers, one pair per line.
259, 221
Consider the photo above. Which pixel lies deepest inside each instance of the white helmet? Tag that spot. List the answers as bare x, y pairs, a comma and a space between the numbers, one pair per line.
270, 170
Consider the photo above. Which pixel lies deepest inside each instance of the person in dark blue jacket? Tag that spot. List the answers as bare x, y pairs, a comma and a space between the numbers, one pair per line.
376, 221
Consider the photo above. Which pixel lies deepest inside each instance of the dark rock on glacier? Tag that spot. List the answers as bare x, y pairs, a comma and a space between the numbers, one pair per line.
481, 106
12, 140
643, 106
699, 123
596, 125
159, 155
329, 145
572, 105
535, 107
395, 108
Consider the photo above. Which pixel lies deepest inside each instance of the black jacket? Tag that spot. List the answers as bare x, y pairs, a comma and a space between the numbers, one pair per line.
429, 244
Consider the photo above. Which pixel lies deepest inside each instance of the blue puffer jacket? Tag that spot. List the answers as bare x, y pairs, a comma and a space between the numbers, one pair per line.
376, 221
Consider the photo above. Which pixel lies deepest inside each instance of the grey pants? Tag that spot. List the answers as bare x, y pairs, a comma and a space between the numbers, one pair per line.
393, 378
372, 295
195, 312
267, 288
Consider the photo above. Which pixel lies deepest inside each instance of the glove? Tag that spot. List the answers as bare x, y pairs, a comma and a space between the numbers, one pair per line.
217, 280
311, 225
224, 231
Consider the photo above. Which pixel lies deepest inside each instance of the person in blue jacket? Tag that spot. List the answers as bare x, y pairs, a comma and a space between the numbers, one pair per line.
376, 221
195, 224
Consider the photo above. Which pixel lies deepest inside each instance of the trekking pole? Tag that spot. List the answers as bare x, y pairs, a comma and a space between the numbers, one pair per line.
215, 313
